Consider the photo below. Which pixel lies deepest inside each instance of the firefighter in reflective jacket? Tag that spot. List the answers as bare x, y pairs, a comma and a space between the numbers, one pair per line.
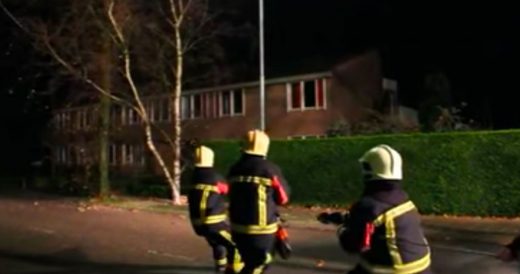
384, 225
208, 212
257, 187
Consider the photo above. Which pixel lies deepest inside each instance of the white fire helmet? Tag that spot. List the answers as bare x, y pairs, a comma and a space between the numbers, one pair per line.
204, 157
382, 163
256, 143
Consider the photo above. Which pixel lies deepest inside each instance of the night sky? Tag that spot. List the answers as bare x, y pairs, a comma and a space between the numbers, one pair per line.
473, 43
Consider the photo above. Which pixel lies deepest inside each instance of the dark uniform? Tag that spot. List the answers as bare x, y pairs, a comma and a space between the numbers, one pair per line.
384, 226
257, 187
208, 212
511, 252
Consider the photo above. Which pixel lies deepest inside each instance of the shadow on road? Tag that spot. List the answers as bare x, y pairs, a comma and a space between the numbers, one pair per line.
73, 261
17, 193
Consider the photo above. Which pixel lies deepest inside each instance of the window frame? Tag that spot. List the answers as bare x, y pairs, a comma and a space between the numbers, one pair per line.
302, 107
232, 110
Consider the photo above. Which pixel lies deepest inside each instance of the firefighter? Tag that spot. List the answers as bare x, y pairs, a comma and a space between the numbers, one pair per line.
208, 212
257, 187
384, 226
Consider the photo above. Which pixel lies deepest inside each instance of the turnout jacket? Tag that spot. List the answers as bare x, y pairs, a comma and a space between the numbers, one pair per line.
257, 187
205, 198
514, 246
384, 227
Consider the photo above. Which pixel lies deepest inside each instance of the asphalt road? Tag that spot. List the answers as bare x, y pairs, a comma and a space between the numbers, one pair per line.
50, 235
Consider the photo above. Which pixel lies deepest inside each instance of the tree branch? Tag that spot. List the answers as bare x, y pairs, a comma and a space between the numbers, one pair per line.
14, 19
175, 15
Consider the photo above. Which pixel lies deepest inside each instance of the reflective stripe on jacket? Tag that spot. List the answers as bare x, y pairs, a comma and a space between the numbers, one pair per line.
257, 186
384, 227
205, 197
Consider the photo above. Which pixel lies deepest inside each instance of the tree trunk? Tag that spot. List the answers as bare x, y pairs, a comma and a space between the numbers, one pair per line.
176, 119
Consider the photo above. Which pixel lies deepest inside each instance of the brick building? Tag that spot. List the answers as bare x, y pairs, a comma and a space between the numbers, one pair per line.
299, 106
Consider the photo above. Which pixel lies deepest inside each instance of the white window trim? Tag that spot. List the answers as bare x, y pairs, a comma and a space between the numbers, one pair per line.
141, 161
325, 91
123, 154
127, 155
288, 87
232, 112
185, 98
221, 104
112, 148
192, 107
211, 101
124, 111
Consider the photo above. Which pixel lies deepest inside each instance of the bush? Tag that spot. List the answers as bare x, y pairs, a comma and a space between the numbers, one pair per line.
469, 173
146, 185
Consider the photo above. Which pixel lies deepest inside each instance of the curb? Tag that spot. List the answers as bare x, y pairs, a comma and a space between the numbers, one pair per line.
435, 224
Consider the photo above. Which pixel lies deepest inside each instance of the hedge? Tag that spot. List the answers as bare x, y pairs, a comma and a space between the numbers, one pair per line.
470, 173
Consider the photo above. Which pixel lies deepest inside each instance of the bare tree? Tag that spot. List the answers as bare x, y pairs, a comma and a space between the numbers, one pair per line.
180, 26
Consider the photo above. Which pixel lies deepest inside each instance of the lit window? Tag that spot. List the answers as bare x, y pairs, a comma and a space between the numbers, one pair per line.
307, 95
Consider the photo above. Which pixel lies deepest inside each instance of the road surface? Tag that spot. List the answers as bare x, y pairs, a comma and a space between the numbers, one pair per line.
45, 234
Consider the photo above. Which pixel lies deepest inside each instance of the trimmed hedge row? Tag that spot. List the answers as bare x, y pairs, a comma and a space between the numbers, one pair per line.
471, 173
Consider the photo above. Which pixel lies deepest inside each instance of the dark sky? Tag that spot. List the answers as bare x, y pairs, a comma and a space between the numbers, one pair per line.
473, 43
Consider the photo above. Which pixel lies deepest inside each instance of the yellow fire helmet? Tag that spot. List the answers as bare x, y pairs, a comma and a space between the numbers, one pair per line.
382, 163
256, 143
204, 157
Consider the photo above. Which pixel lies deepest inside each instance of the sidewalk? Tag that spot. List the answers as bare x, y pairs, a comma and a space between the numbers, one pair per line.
305, 218
492, 225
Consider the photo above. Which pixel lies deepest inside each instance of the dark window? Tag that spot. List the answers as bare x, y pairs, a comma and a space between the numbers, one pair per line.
165, 109
226, 103
310, 94
197, 105
238, 103
115, 114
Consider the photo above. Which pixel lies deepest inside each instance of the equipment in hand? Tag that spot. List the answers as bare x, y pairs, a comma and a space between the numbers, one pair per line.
282, 246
